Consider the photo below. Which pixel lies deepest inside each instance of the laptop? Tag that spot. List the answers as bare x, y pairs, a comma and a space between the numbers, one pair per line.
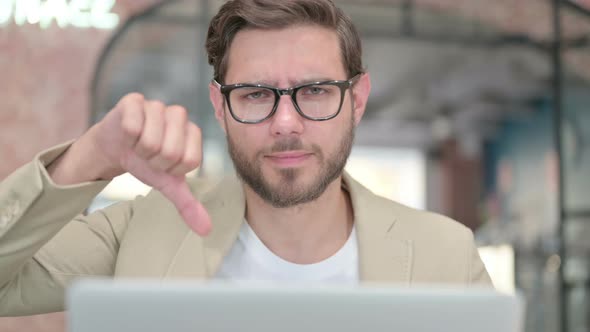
183, 306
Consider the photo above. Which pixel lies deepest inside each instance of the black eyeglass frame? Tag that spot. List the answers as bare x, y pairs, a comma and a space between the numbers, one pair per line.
292, 92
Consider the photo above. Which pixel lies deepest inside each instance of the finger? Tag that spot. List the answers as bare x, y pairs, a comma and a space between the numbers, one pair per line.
190, 209
132, 118
173, 143
150, 141
193, 151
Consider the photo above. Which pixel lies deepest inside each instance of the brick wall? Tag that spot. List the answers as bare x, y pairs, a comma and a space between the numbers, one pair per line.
45, 81
44, 84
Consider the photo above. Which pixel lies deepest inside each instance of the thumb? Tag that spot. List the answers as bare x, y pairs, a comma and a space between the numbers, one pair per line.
190, 209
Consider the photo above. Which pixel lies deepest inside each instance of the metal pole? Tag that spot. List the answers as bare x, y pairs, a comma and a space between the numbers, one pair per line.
557, 130
408, 26
201, 25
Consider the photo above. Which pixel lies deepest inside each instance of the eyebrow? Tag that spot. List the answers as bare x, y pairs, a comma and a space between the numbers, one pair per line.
293, 83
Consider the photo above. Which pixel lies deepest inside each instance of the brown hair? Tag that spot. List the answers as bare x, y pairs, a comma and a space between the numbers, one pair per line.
236, 15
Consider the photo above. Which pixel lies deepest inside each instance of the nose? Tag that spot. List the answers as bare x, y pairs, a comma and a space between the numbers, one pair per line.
286, 120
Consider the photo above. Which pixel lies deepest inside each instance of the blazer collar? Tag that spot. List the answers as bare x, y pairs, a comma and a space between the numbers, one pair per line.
227, 208
201, 257
383, 255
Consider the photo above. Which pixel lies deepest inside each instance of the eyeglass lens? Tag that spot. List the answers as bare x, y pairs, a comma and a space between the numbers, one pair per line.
255, 103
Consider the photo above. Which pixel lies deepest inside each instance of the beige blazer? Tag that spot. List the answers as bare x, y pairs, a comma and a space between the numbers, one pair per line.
45, 242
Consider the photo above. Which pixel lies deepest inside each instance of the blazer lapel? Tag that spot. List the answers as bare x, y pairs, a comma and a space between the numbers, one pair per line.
384, 257
199, 257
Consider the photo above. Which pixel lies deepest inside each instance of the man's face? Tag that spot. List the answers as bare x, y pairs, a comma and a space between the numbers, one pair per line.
288, 160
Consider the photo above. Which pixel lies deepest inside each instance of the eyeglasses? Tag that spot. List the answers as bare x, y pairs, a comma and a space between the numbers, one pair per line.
317, 101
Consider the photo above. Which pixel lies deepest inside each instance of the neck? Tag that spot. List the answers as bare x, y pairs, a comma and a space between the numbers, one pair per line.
307, 233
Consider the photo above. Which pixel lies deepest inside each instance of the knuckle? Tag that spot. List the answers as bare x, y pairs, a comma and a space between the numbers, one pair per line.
131, 101
150, 147
130, 129
178, 110
171, 156
133, 96
192, 162
156, 105
130, 122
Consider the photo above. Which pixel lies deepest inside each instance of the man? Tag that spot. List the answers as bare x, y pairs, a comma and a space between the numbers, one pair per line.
288, 91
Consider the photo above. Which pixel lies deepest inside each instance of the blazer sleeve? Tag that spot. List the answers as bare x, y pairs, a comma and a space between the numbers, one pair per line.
45, 242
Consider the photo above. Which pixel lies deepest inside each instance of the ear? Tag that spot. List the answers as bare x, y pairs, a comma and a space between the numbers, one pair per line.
360, 94
218, 102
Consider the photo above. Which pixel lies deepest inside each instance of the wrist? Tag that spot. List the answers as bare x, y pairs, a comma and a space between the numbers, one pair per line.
81, 163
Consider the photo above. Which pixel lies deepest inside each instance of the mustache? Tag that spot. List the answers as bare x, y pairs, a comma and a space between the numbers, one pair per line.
290, 144
286, 144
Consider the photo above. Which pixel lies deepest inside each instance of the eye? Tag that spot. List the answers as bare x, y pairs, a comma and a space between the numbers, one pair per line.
257, 94
254, 95
314, 90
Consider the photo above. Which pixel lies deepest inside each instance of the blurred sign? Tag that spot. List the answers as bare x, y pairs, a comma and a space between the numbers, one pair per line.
76, 13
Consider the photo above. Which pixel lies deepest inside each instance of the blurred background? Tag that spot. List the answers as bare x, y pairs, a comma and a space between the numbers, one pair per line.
479, 111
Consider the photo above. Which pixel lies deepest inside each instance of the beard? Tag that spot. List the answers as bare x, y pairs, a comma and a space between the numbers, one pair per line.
289, 192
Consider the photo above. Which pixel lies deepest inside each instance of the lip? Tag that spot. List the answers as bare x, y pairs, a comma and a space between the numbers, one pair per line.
289, 158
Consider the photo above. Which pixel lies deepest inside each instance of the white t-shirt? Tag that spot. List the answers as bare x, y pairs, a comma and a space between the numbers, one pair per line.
250, 260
